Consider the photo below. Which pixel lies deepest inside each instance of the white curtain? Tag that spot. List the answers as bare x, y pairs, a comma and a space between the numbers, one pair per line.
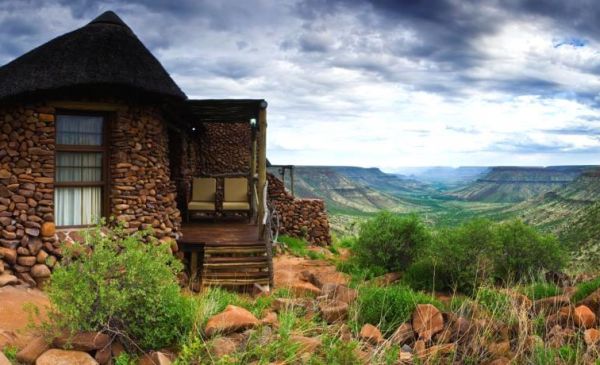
79, 130
78, 206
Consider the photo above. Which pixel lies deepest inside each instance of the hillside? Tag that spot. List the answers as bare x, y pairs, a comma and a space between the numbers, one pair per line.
559, 210
355, 189
516, 184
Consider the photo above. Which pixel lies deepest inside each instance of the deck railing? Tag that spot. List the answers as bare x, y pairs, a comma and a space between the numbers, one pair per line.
267, 231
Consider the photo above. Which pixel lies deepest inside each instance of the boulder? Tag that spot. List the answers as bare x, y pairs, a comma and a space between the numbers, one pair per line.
32, 351
3, 359
104, 356
461, 328
371, 334
306, 344
427, 320
558, 337
63, 357
82, 341
232, 319
584, 317
8, 255
270, 320
591, 336
40, 271
304, 289
223, 346
550, 304
339, 292
7, 279
154, 358
333, 310
500, 349
403, 334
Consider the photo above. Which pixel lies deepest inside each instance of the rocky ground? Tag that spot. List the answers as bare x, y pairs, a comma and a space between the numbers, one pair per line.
446, 334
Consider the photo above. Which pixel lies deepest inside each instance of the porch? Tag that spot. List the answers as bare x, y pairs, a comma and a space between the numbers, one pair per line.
225, 252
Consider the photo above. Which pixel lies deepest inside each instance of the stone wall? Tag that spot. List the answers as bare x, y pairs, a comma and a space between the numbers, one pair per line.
28, 245
305, 218
225, 149
141, 195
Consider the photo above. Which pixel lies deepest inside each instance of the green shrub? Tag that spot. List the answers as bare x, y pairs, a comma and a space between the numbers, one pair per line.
522, 251
497, 303
11, 353
388, 307
390, 242
456, 258
582, 290
122, 285
540, 289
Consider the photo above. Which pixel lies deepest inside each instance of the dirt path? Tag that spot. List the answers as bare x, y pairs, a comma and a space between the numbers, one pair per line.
14, 318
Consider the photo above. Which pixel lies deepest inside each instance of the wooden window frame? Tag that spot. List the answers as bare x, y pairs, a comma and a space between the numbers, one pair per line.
104, 148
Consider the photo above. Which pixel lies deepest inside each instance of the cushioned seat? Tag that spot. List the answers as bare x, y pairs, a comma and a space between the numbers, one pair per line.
236, 206
236, 194
204, 192
201, 206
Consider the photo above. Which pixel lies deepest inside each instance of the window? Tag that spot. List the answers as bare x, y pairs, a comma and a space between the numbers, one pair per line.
80, 181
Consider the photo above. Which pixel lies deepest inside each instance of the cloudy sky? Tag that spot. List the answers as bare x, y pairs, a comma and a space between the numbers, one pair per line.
383, 83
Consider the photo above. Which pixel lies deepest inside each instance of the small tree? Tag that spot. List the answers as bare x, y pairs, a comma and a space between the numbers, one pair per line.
123, 285
389, 241
522, 251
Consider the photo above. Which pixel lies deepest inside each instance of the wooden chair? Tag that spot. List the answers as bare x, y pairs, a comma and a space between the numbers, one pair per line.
204, 193
237, 197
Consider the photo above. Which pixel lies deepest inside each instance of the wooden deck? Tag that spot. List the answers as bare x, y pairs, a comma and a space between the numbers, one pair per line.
225, 253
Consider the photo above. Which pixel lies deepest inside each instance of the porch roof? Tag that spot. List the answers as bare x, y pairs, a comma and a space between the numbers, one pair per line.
224, 110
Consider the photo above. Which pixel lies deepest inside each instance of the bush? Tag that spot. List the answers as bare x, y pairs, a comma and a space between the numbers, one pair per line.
388, 307
390, 242
522, 251
456, 259
582, 290
121, 285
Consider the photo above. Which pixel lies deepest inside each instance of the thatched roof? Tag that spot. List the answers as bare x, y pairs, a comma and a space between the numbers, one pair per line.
104, 52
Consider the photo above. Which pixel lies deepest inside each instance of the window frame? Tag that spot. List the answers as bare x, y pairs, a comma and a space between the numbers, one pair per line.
104, 148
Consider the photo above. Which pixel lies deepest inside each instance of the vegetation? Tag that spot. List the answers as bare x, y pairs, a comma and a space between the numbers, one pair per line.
124, 285
388, 307
390, 242
586, 288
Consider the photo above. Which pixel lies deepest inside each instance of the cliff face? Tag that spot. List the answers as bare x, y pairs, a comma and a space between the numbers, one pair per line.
515, 184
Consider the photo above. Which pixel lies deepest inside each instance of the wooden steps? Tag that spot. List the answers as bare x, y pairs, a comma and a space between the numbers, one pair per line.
235, 264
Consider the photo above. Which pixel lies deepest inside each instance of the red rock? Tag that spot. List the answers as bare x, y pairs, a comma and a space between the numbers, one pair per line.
584, 317
8, 255
270, 319
436, 351
40, 271
104, 356
403, 334
155, 358
223, 346
427, 320
3, 359
63, 357
82, 341
7, 279
371, 334
306, 344
500, 361
304, 289
333, 310
591, 336
232, 319
32, 351
499, 349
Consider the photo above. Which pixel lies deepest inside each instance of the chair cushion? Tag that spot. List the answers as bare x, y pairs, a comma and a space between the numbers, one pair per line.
236, 189
204, 189
201, 206
236, 206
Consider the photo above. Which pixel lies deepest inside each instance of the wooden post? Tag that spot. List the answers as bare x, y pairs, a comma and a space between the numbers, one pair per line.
292, 179
252, 180
262, 163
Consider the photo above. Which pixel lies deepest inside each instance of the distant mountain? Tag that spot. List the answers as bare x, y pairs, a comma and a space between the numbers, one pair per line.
443, 176
515, 184
355, 189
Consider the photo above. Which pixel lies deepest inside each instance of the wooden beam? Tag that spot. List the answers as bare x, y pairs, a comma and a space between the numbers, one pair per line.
262, 165
88, 106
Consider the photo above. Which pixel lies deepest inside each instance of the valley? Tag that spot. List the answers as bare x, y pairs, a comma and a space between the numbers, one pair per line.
564, 200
